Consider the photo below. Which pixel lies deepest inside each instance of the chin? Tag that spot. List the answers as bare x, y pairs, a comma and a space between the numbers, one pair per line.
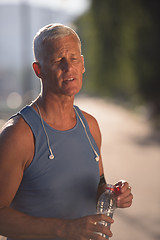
72, 92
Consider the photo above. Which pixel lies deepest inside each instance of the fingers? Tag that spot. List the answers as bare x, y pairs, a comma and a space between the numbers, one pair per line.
125, 198
101, 217
125, 186
125, 202
104, 229
89, 227
97, 227
101, 233
101, 226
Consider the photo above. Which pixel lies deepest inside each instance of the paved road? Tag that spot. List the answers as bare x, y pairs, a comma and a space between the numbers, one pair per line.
130, 151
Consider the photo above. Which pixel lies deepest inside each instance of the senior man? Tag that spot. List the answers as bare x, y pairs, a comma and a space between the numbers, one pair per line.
51, 170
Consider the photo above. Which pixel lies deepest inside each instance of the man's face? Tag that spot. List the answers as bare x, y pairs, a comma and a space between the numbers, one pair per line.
63, 66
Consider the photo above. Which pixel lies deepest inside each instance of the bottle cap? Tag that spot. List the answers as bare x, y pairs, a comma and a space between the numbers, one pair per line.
118, 187
110, 187
117, 190
114, 188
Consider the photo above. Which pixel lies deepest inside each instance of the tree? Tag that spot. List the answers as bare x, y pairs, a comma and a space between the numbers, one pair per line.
121, 46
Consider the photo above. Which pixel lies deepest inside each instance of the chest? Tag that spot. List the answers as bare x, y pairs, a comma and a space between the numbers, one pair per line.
73, 167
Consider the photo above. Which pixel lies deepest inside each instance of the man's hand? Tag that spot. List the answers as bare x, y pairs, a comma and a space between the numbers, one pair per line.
124, 200
87, 228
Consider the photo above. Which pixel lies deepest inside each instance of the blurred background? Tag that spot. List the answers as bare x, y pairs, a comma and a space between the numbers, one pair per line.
120, 43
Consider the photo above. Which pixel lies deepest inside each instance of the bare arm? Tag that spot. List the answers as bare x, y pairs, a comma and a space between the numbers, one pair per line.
95, 131
125, 198
15, 224
16, 153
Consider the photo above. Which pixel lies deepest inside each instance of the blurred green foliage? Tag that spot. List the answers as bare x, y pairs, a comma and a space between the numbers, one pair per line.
120, 41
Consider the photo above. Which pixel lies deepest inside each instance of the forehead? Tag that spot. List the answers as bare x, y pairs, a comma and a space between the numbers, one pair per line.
60, 45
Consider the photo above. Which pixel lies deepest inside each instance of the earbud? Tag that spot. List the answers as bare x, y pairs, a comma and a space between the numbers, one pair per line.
97, 159
51, 156
97, 156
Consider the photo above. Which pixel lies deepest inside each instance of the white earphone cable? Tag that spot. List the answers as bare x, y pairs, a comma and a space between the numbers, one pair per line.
51, 156
97, 156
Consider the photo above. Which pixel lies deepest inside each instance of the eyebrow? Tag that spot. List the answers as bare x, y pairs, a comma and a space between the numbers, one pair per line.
60, 55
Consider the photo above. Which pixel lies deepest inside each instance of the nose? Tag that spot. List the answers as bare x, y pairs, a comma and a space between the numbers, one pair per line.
66, 65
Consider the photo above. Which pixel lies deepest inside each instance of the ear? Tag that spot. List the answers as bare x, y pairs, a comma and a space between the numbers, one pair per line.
37, 69
83, 70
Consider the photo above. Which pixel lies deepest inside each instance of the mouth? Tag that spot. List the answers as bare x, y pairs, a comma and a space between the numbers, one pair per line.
70, 79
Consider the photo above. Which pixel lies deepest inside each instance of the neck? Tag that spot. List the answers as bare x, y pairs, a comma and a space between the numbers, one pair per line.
55, 103
57, 111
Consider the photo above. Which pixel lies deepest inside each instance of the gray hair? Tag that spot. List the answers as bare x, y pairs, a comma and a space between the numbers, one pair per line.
50, 32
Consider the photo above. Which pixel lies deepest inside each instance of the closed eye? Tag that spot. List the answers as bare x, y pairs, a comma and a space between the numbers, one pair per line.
74, 58
57, 60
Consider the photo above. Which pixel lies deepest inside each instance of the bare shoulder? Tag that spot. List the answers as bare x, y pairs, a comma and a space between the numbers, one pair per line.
94, 127
16, 153
16, 137
15, 128
90, 119
13, 125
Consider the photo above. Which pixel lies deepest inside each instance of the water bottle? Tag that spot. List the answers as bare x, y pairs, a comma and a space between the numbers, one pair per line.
107, 203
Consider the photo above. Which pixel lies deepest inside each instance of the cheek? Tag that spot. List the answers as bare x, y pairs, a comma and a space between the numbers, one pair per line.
49, 72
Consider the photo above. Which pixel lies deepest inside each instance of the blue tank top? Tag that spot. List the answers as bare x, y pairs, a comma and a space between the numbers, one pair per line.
65, 187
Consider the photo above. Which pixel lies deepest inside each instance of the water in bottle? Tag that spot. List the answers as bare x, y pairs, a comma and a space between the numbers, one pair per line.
107, 203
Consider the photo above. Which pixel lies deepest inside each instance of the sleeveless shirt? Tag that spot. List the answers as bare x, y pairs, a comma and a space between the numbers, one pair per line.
65, 187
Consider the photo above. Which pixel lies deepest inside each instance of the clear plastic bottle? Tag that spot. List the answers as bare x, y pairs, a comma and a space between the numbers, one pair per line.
107, 203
